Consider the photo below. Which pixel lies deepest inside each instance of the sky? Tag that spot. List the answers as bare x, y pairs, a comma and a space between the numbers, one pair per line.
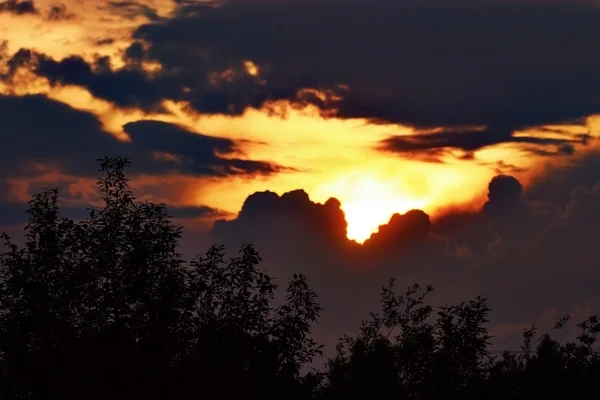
451, 142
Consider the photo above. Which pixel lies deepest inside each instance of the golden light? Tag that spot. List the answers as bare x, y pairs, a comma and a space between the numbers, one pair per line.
368, 202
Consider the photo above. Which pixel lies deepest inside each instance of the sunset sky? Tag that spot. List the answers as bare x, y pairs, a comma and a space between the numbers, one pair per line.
385, 105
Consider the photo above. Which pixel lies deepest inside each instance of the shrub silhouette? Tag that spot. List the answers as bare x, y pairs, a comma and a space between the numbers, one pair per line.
106, 308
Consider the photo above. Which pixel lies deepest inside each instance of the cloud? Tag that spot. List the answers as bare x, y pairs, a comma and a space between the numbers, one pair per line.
59, 12
441, 64
57, 134
422, 64
18, 7
132, 9
557, 187
475, 139
72, 138
190, 152
206, 90
127, 87
527, 255
57, 148
292, 220
196, 212
105, 41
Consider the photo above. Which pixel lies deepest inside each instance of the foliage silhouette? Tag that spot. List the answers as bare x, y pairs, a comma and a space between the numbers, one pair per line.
107, 308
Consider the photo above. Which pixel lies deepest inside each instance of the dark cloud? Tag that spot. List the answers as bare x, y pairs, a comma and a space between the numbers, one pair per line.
504, 195
197, 212
501, 64
18, 7
292, 232
135, 53
105, 41
59, 12
131, 9
64, 139
132, 87
72, 138
583, 216
401, 233
529, 256
514, 219
128, 87
556, 187
472, 140
58, 133
446, 65
172, 146
292, 219
470, 232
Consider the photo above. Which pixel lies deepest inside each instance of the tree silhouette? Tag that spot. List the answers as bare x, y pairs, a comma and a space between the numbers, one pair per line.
107, 308
117, 268
405, 352
400, 352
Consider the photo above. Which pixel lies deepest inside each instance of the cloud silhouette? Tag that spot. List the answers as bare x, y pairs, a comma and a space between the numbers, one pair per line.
445, 65
165, 145
472, 140
126, 87
58, 133
556, 187
292, 221
18, 7
132, 9
58, 147
59, 12
72, 138
425, 65
527, 255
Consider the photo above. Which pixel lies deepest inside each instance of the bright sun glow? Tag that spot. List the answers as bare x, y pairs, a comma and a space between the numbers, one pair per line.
365, 216
368, 203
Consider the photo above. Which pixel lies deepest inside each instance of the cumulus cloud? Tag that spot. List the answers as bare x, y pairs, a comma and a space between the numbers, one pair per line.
291, 222
529, 256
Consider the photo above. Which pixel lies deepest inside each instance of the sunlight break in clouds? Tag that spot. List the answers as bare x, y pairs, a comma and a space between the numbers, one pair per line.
369, 203
327, 157
370, 186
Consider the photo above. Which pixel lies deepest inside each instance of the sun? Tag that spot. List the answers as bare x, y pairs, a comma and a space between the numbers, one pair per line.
368, 202
365, 216
371, 204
